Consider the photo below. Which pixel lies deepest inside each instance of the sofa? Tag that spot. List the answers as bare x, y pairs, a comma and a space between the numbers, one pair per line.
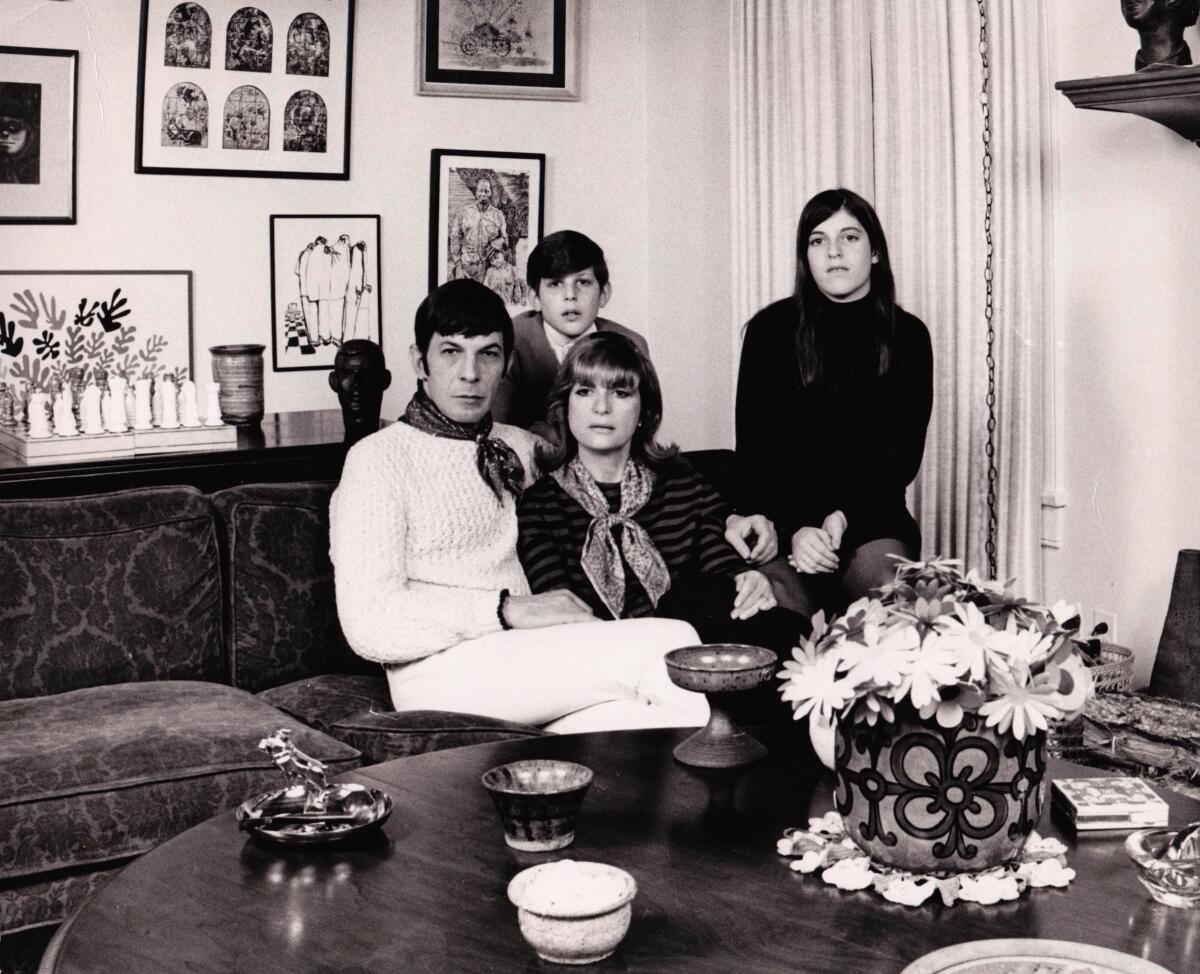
149, 639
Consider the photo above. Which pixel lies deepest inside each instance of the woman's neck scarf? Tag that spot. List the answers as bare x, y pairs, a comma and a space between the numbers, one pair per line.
601, 557
498, 463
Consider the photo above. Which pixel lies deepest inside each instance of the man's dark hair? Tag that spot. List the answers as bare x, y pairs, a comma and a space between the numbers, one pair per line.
463, 307
565, 252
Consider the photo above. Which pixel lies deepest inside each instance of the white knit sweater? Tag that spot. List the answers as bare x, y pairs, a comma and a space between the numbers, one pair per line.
420, 545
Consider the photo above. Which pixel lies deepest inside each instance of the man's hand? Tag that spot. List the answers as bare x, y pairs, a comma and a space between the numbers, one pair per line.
754, 594
554, 608
738, 531
813, 551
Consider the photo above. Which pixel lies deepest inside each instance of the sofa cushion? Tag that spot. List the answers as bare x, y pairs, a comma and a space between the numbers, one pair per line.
358, 711
114, 588
105, 773
321, 701
283, 622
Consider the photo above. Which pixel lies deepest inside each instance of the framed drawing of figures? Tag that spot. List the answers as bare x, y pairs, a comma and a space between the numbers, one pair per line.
324, 288
137, 324
499, 48
37, 135
227, 88
485, 216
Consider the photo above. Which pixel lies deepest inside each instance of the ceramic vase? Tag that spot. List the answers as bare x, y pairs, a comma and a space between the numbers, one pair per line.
239, 370
918, 796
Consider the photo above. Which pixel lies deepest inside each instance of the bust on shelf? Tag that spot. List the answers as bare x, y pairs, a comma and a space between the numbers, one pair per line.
1160, 25
359, 377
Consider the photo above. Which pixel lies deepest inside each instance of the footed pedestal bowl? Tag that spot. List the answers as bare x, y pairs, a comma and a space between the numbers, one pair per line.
717, 671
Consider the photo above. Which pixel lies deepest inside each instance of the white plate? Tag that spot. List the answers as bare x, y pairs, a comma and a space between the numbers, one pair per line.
1029, 956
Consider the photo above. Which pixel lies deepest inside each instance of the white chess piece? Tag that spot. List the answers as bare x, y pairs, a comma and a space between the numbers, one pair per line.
64, 415
170, 405
89, 410
130, 401
39, 419
113, 406
212, 404
188, 413
142, 412
156, 402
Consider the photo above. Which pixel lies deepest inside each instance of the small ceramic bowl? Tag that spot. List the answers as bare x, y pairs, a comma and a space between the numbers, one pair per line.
573, 912
538, 801
1174, 882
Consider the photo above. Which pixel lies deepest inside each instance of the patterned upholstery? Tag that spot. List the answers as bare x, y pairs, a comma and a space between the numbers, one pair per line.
358, 710
282, 614
108, 589
136, 763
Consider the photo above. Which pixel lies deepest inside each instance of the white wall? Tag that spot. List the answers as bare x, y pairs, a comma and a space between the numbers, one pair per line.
1127, 285
640, 163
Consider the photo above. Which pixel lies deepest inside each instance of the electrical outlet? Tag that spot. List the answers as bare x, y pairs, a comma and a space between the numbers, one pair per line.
1109, 618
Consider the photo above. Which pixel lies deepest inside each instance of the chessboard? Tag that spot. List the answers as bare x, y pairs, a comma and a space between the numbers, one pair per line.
103, 446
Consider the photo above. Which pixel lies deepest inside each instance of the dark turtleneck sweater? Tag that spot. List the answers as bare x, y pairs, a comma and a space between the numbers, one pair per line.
852, 442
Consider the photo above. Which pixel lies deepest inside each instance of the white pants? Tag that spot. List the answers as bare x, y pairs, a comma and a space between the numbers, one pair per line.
573, 678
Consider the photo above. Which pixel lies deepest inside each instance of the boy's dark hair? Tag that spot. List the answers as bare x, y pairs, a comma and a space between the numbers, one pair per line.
462, 307
565, 252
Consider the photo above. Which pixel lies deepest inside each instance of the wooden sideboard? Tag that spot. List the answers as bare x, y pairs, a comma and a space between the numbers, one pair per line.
285, 446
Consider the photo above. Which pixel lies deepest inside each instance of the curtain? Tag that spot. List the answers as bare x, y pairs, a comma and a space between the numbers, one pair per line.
884, 97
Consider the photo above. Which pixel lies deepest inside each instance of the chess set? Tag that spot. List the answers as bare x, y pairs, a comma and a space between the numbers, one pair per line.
111, 418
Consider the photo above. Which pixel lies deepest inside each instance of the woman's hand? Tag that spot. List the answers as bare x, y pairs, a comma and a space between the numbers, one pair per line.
835, 525
754, 594
738, 530
553, 608
813, 551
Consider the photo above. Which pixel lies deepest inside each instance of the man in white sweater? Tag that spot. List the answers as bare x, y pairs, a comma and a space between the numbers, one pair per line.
423, 534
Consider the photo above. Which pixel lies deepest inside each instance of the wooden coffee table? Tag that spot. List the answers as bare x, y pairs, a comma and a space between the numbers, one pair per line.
427, 893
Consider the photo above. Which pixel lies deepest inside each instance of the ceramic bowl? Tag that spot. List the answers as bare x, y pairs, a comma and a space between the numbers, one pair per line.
1174, 882
720, 667
573, 912
538, 801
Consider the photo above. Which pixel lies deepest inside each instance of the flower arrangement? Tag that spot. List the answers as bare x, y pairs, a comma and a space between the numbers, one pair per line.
945, 643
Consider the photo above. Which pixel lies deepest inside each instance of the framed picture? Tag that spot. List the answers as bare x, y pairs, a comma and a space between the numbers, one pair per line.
230, 89
38, 93
132, 323
499, 48
485, 215
324, 288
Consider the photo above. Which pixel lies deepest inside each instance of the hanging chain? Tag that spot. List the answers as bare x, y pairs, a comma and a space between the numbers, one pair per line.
988, 304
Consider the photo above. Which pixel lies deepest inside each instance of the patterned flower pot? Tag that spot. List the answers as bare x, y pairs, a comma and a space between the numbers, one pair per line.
918, 796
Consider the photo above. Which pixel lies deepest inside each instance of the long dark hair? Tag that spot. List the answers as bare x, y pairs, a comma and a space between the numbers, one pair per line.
612, 361
811, 303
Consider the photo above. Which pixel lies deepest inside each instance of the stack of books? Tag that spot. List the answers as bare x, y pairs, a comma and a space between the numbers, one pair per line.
1109, 803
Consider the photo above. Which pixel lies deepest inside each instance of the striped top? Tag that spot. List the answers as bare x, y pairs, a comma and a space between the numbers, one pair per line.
685, 518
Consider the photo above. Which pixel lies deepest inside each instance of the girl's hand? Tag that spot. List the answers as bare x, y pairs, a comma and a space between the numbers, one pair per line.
813, 551
754, 594
835, 525
738, 531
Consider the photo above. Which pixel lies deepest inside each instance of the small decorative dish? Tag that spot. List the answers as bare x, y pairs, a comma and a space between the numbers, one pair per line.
283, 816
1032, 955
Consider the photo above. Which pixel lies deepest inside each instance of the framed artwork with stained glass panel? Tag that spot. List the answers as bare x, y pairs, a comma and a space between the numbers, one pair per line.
227, 88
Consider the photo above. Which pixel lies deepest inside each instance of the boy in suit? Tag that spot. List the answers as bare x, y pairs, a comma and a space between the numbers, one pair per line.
568, 285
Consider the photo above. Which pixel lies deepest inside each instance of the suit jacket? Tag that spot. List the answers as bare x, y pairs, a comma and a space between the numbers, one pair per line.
521, 399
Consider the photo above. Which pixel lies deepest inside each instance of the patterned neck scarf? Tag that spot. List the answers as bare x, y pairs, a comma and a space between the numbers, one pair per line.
601, 557
498, 463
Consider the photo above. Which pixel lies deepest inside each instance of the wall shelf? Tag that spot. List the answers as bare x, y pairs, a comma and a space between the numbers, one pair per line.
1169, 96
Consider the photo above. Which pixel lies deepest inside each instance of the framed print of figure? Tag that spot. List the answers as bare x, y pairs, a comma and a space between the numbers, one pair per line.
37, 134
231, 89
324, 288
485, 216
499, 48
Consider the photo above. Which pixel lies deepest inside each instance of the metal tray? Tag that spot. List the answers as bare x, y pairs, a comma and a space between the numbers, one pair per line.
352, 810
